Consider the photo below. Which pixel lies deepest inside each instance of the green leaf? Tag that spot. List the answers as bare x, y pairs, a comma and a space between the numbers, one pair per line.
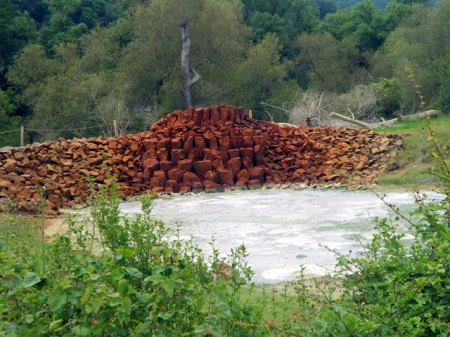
81, 330
127, 252
56, 299
126, 305
143, 298
30, 280
123, 287
133, 272
159, 334
224, 308
117, 274
165, 315
79, 272
94, 277
168, 286
87, 294
55, 325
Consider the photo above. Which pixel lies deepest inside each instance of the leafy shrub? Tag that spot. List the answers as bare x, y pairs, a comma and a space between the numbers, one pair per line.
141, 284
389, 97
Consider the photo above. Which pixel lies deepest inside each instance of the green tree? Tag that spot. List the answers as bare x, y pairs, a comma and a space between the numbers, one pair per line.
286, 19
325, 7
95, 13
260, 78
419, 54
16, 29
268, 6
8, 120
364, 22
333, 65
70, 20
133, 68
151, 66
37, 9
263, 22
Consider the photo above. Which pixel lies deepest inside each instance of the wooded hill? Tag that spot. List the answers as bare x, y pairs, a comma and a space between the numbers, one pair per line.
68, 68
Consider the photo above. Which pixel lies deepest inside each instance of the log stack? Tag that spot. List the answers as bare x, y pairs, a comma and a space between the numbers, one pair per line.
212, 148
328, 156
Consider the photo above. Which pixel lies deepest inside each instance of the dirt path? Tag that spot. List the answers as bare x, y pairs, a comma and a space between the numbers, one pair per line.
54, 226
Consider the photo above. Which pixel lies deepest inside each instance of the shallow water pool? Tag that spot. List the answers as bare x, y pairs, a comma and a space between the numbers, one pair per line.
281, 229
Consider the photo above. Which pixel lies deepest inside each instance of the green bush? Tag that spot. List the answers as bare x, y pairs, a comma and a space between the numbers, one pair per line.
389, 97
141, 284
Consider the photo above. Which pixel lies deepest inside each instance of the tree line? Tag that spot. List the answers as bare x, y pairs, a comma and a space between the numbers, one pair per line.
72, 64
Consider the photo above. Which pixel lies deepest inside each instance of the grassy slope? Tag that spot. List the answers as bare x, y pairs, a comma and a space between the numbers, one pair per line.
415, 159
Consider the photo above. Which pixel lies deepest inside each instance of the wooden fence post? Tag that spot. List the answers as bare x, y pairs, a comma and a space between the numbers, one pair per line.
250, 113
116, 129
22, 135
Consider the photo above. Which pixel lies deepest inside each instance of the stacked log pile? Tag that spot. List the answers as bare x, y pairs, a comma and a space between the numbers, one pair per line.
211, 148
328, 156
59, 170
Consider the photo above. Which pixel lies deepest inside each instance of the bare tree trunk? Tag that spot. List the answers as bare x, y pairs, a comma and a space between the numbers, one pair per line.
188, 81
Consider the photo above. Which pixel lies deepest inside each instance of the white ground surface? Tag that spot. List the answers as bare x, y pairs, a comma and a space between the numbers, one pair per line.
281, 229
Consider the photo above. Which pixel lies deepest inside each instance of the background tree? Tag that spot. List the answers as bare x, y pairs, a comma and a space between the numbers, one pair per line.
261, 79
419, 54
333, 65
17, 29
151, 65
363, 22
81, 63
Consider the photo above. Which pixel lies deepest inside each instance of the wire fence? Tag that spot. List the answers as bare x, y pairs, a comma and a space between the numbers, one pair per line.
63, 130
117, 131
9, 131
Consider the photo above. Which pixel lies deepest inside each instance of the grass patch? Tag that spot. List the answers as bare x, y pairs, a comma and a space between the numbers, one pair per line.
415, 159
17, 231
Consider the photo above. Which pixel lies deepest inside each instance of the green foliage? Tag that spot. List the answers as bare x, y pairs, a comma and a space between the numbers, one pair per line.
141, 284
7, 120
70, 21
363, 22
79, 64
443, 99
263, 23
347, 68
150, 69
398, 286
16, 29
261, 79
421, 47
131, 71
389, 96
400, 277
286, 19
